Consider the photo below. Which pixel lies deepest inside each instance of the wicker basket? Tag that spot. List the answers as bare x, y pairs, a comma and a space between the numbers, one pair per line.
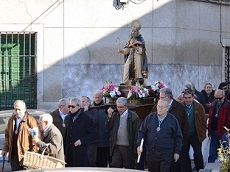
39, 161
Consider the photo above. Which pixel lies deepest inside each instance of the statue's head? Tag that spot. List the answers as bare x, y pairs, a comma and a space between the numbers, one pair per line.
135, 26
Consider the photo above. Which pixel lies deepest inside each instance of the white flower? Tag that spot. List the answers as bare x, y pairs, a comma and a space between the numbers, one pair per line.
112, 93
140, 95
154, 87
117, 91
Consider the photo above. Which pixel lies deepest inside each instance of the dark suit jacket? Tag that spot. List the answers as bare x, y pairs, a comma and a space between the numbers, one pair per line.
54, 138
57, 121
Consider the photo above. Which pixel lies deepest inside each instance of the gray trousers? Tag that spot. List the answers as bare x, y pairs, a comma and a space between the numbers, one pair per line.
122, 157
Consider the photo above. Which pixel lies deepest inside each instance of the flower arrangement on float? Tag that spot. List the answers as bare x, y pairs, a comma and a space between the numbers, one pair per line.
110, 90
224, 153
155, 91
137, 92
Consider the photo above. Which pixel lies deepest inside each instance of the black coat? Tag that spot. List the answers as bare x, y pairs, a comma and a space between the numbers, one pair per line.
84, 129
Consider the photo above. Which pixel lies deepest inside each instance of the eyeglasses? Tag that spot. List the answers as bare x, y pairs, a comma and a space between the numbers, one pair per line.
218, 98
225, 88
71, 106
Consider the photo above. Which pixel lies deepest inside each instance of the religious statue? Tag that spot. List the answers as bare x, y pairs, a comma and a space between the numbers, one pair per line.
136, 64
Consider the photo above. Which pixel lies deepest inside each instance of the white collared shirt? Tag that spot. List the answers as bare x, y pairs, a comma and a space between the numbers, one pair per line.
18, 121
62, 115
170, 104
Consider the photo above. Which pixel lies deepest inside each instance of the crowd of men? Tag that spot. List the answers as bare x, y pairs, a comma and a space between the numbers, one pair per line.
85, 134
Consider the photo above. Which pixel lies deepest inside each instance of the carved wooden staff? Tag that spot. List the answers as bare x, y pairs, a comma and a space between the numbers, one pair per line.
118, 46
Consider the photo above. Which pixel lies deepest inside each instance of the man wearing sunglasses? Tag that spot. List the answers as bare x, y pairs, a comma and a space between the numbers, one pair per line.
80, 132
219, 116
224, 86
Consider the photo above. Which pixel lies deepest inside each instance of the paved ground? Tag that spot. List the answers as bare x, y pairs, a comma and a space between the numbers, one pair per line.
8, 169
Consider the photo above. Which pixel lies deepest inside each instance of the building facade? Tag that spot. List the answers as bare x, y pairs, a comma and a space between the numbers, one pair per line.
68, 48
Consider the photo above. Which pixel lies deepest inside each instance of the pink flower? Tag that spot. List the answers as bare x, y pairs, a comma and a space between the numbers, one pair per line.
110, 90
137, 92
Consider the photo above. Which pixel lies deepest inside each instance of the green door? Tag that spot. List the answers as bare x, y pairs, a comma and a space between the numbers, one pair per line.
18, 73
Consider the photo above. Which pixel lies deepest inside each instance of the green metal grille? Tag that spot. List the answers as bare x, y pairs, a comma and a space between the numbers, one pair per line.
18, 69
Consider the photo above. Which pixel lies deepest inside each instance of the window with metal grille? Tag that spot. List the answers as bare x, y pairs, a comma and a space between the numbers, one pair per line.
17, 69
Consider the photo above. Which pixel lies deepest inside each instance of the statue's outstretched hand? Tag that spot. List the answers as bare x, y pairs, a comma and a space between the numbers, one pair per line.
121, 51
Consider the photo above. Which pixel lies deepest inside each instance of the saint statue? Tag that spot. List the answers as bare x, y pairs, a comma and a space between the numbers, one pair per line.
136, 64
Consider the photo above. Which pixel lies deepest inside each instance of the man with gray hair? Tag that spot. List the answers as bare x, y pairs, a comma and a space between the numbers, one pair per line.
93, 115
177, 109
163, 138
103, 132
124, 125
60, 114
81, 132
52, 141
17, 138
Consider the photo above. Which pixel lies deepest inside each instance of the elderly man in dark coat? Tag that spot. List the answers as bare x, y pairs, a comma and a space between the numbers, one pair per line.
80, 132
124, 125
177, 109
163, 138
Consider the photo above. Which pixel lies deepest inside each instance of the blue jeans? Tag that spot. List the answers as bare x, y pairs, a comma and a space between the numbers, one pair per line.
215, 144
